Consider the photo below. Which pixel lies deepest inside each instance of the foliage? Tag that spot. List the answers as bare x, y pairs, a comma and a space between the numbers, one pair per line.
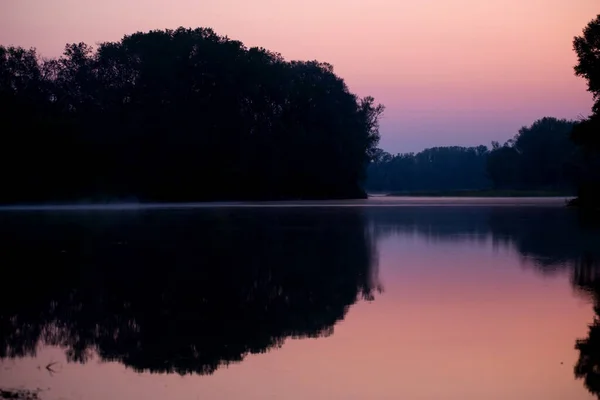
179, 115
587, 134
587, 47
438, 168
539, 156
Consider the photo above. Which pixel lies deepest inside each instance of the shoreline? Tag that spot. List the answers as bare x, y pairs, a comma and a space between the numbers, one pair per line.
372, 201
482, 193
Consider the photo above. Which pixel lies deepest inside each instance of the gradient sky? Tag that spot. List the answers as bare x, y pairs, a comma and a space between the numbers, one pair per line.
450, 72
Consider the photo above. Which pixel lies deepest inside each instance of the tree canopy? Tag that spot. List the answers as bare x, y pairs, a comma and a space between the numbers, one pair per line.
438, 168
587, 47
540, 156
179, 115
587, 133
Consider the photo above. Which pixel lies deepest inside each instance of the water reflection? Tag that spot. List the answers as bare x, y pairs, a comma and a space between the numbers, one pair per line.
178, 291
551, 239
557, 240
190, 291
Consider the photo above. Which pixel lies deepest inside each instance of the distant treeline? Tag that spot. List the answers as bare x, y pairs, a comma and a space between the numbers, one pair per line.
550, 155
435, 169
181, 115
539, 157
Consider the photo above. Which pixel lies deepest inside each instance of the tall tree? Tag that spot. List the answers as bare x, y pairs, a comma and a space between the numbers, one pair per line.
587, 47
587, 133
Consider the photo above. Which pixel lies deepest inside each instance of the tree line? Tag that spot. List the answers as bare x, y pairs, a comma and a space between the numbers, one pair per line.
188, 115
541, 156
179, 115
434, 169
551, 154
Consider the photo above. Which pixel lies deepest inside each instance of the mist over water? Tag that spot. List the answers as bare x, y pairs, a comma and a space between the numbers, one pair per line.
373, 201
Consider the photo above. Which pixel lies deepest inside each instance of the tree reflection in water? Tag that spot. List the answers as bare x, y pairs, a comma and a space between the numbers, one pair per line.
551, 239
189, 291
179, 291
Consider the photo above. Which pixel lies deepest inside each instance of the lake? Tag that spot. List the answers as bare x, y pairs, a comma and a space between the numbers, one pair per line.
384, 298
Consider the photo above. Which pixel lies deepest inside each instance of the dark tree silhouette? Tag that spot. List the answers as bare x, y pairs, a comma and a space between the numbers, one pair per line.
587, 133
587, 47
438, 168
179, 115
540, 156
175, 290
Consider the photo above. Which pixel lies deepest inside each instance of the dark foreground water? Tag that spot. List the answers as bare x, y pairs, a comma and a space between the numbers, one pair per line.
462, 299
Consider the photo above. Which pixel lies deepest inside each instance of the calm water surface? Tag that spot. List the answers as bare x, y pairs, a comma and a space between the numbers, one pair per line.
381, 299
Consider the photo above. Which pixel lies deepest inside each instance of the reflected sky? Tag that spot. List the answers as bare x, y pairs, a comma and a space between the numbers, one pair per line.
463, 303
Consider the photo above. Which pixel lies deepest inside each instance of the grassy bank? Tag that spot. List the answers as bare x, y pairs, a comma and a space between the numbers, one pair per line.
485, 193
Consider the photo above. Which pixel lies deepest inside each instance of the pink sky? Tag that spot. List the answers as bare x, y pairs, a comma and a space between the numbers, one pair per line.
461, 72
